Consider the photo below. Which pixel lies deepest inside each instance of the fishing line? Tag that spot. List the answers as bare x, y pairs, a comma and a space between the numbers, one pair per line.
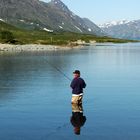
59, 70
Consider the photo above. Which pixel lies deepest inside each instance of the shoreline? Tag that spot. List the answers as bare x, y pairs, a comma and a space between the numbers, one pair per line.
41, 48
34, 47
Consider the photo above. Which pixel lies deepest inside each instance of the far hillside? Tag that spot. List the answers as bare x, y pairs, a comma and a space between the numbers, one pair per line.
14, 35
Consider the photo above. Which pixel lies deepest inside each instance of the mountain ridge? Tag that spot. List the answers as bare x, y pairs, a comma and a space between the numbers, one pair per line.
51, 16
122, 29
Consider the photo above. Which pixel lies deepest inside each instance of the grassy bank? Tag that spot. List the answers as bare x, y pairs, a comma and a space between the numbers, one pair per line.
13, 35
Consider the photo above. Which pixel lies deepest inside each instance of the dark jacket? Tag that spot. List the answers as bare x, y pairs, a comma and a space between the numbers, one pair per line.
77, 85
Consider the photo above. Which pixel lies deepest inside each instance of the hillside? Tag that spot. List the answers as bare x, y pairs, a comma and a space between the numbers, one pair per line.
52, 16
14, 35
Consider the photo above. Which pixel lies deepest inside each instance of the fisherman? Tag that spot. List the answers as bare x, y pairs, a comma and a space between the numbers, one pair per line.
77, 86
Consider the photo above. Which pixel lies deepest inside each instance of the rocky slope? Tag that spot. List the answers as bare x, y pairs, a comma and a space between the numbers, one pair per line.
52, 16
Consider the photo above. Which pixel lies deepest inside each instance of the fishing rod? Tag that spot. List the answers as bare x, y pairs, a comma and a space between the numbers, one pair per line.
59, 70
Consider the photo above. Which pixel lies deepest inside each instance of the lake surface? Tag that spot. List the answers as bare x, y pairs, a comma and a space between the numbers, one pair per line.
35, 97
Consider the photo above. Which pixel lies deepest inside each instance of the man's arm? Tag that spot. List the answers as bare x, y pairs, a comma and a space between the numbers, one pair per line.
72, 85
84, 84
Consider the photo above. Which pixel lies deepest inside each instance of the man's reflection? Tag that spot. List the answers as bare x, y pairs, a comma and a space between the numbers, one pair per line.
77, 119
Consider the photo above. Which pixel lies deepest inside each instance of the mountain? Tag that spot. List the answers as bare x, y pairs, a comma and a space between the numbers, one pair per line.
93, 27
51, 16
113, 23
122, 29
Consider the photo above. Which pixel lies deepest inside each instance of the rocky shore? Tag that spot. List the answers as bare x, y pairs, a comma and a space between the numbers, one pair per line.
32, 47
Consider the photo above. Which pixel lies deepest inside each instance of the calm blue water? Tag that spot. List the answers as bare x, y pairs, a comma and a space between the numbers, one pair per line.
35, 98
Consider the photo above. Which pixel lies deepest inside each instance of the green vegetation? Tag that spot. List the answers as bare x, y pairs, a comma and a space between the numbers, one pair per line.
11, 34
7, 36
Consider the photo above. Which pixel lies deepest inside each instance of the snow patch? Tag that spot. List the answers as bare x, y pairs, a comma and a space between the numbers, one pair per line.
89, 30
48, 30
63, 23
22, 20
1, 19
60, 27
78, 29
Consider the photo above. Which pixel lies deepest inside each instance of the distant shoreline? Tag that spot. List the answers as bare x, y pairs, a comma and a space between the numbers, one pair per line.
34, 47
41, 47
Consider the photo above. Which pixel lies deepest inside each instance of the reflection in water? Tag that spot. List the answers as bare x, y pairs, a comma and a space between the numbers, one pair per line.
77, 119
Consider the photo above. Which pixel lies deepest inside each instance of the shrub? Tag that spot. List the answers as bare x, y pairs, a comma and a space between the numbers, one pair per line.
7, 36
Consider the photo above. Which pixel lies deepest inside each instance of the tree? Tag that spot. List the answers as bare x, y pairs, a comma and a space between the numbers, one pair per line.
7, 36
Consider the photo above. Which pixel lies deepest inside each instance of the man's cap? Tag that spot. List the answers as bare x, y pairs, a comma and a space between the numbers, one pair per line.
76, 72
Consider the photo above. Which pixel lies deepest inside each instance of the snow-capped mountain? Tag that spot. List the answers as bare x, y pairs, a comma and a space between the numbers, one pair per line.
51, 16
114, 23
122, 29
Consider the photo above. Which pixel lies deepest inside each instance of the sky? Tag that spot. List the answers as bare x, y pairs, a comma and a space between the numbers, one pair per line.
102, 11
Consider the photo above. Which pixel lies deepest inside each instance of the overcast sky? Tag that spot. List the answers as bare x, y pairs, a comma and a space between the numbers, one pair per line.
100, 11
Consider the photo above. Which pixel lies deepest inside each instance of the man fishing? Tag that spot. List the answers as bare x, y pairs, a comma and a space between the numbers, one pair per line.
77, 86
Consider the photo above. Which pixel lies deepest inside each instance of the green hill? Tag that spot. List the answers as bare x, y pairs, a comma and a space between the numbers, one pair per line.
14, 35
